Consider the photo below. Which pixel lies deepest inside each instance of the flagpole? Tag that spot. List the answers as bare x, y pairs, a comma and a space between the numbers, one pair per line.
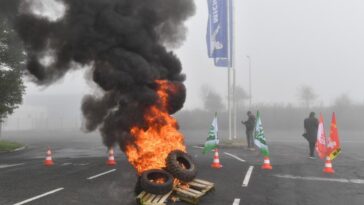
233, 28
229, 100
229, 67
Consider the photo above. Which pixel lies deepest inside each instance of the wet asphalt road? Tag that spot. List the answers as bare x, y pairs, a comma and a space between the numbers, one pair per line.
293, 180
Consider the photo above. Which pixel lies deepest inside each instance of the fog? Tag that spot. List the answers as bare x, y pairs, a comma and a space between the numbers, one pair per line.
312, 43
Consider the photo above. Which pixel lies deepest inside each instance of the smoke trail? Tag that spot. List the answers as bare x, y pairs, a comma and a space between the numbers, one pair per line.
123, 42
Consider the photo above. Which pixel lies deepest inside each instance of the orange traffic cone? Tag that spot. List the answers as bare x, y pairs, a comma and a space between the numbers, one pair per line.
111, 161
48, 160
328, 166
266, 164
216, 163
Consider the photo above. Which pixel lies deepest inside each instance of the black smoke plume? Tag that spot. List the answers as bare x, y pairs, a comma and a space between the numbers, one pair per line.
8, 9
123, 43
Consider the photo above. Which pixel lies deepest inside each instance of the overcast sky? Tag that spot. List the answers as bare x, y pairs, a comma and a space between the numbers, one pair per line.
292, 43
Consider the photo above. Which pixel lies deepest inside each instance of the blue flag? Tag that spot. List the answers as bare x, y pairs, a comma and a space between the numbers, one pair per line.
218, 37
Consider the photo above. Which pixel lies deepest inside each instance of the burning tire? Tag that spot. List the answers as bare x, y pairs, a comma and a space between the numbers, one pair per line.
156, 181
181, 166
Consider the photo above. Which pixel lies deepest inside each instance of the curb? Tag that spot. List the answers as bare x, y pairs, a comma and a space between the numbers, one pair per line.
19, 149
223, 145
231, 146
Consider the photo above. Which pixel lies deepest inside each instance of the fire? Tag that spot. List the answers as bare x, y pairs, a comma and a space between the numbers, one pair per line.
159, 181
153, 144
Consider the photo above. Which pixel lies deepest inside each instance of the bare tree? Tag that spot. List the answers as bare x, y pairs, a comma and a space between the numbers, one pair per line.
307, 95
343, 101
212, 100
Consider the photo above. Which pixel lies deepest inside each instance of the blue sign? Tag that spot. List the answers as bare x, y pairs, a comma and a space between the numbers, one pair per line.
218, 32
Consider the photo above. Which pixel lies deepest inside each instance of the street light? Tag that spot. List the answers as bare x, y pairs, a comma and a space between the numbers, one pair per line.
250, 81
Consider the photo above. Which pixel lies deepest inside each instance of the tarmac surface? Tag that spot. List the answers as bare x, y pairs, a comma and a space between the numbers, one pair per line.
80, 175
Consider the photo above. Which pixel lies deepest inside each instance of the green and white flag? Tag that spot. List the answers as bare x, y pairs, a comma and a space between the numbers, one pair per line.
259, 138
212, 140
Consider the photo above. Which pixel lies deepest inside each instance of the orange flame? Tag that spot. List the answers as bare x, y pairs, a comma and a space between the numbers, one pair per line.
153, 144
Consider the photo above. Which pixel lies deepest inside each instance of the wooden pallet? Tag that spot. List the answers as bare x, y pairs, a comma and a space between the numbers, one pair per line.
190, 194
196, 190
145, 198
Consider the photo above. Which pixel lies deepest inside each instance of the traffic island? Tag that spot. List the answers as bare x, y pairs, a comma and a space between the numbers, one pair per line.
8, 146
232, 143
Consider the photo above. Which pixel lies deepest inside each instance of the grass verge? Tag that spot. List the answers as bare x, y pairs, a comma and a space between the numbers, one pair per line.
6, 146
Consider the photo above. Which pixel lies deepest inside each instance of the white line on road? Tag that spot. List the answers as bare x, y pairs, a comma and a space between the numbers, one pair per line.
99, 175
353, 181
39, 196
19, 149
235, 157
197, 147
247, 176
236, 202
2, 166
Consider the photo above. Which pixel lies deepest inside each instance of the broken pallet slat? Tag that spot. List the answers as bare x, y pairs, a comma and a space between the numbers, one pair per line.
196, 190
201, 185
150, 198
197, 185
203, 182
145, 198
165, 197
185, 192
187, 196
156, 199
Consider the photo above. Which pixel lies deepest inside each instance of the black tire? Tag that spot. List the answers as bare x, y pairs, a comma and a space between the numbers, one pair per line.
149, 186
181, 166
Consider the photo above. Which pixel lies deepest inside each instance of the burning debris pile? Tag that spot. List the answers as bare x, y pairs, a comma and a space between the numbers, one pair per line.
123, 43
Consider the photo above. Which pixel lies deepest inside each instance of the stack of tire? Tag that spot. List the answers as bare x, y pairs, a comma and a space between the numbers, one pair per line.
180, 166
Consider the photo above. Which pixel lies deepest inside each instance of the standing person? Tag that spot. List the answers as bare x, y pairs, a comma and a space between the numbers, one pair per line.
311, 127
250, 126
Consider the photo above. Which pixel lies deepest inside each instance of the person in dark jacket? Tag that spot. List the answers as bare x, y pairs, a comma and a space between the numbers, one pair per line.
250, 126
311, 127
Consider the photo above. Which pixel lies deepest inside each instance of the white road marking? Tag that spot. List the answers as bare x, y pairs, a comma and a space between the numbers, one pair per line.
197, 147
2, 166
353, 181
19, 149
235, 157
82, 164
39, 196
99, 175
74, 164
236, 202
247, 176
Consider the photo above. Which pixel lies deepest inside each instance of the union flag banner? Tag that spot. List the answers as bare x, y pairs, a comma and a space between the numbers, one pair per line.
321, 139
333, 144
212, 140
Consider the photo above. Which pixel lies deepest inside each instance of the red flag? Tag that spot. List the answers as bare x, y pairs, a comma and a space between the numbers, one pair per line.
333, 143
321, 139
